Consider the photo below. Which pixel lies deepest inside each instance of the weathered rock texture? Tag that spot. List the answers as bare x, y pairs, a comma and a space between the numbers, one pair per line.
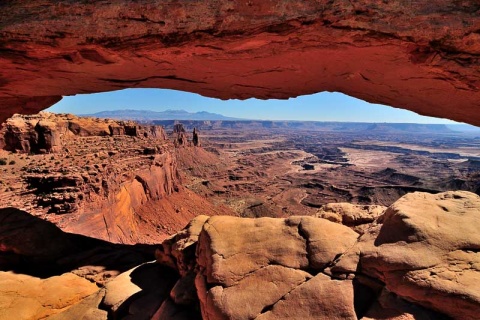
358, 217
46, 272
418, 261
113, 180
418, 55
27, 297
45, 132
430, 243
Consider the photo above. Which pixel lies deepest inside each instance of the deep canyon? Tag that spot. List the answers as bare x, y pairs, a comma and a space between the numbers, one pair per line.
260, 224
342, 213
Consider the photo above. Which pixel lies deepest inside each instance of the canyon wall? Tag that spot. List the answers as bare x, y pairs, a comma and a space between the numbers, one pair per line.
44, 132
417, 55
91, 176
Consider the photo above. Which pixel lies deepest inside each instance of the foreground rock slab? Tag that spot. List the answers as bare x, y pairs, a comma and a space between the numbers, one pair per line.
260, 268
428, 252
319, 298
417, 261
26, 297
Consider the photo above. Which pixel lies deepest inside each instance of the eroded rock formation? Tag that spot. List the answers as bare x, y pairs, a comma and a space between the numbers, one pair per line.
113, 180
195, 138
417, 55
45, 270
180, 135
417, 261
44, 132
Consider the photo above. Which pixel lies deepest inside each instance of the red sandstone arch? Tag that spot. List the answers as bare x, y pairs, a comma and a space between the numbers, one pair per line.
419, 55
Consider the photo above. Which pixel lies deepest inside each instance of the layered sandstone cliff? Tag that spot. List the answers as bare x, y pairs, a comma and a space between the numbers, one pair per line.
45, 132
113, 180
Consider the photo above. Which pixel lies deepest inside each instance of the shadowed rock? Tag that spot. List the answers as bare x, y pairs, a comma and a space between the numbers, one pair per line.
418, 262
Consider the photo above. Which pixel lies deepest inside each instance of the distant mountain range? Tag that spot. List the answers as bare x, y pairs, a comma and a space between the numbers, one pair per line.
196, 119
331, 126
148, 115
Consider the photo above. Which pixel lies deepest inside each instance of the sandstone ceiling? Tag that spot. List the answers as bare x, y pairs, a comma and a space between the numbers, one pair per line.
419, 55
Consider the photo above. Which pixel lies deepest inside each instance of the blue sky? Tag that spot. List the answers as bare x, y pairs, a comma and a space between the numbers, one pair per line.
323, 106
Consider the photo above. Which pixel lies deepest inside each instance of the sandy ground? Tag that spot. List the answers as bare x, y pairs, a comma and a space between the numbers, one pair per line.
369, 158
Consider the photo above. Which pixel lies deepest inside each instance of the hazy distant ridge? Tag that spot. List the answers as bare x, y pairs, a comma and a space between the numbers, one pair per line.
195, 119
148, 115
383, 128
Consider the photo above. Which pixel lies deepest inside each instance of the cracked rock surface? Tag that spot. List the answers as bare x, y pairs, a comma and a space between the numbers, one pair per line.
419, 260
428, 252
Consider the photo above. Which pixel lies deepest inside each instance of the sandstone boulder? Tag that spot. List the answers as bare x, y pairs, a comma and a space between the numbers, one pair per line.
229, 247
86, 309
421, 263
320, 298
249, 265
178, 251
30, 298
250, 296
427, 252
357, 217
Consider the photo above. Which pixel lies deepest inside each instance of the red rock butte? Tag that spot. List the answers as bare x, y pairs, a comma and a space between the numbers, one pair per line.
417, 55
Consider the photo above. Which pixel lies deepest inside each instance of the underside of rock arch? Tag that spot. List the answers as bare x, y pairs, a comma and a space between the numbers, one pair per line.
418, 55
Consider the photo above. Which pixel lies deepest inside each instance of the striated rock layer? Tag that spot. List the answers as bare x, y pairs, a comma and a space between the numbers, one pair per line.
45, 132
113, 180
416, 55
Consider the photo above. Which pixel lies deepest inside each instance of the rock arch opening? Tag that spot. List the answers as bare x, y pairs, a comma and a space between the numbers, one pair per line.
411, 262
158, 104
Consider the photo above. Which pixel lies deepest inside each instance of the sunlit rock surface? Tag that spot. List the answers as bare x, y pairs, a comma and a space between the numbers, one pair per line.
113, 180
419, 261
417, 55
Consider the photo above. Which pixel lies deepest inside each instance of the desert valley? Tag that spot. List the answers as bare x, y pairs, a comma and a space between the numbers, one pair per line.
96, 197
215, 218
